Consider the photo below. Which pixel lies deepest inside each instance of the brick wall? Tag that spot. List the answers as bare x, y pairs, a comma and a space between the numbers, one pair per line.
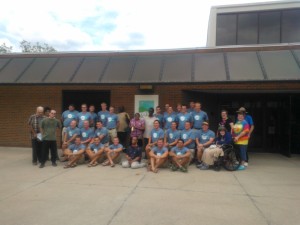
17, 103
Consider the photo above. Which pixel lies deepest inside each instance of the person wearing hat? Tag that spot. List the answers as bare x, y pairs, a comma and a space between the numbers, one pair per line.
240, 137
204, 139
249, 120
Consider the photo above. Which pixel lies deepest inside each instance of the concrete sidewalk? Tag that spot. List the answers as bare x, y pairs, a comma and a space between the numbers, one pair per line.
268, 192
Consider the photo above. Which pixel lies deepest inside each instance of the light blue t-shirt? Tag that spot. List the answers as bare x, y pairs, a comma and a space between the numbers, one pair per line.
204, 136
160, 119
182, 118
156, 134
94, 118
71, 132
168, 119
172, 135
75, 148
114, 147
67, 117
111, 121
86, 134
199, 118
180, 151
159, 151
102, 117
102, 131
185, 135
82, 117
95, 147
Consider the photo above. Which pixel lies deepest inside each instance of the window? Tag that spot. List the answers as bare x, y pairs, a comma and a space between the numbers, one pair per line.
226, 29
269, 27
291, 26
247, 32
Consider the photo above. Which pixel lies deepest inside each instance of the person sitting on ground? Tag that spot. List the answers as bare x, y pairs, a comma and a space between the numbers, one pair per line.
180, 157
74, 153
95, 151
158, 156
204, 138
133, 155
113, 152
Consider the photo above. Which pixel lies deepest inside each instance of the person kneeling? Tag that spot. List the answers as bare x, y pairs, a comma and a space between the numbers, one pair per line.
180, 157
133, 155
113, 152
158, 156
95, 151
74, 153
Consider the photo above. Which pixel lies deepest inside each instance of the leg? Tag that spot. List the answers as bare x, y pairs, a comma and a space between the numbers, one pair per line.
114, 157
39, 150
34, 151
53, 150
199, 153
45, 149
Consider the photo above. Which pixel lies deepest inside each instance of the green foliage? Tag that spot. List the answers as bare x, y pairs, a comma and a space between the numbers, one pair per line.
4, 49
27, 46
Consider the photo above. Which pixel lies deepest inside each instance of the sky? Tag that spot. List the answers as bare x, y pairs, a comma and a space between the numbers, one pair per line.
108, 25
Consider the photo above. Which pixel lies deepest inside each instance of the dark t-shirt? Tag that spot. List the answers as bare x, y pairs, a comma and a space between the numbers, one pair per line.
226, 124
134, 151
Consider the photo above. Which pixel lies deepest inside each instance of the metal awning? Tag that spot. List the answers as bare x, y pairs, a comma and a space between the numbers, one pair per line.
278, 63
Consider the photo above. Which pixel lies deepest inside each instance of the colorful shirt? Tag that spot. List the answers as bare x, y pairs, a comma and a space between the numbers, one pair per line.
199, 118
238, 128
67, 116
136, 128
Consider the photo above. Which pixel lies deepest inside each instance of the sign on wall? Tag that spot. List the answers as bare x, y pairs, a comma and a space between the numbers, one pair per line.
143, 102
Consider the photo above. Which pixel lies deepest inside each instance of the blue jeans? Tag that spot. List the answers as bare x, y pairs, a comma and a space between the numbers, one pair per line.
243, 151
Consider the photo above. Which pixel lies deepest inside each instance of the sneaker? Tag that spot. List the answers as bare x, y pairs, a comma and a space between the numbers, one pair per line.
42, 165
199, 165
34, 163
174, 168
182, 169
245, 164
54, 164
241, 167
204, 167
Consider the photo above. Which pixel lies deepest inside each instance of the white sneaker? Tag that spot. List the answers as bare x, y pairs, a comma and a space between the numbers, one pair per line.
245, 164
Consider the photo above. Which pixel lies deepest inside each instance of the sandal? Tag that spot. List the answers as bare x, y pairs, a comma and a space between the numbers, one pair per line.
73, 165
105, 163
112, 165
67, 166
95, 164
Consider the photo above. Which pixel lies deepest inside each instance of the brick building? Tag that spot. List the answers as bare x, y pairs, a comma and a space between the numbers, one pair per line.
263, 79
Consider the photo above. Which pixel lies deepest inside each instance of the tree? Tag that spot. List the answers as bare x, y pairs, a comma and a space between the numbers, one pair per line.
5, 49
27, 46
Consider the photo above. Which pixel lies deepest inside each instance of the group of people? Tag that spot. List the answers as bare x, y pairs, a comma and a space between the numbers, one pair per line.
177, 138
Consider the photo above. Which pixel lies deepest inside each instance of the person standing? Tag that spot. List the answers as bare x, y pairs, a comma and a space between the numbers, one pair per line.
112, 123
36, 142
83, 116
103, 114
149, 121
199, 116
159, 116
137, 126
67, 117
49, 126
122, 129
226, 121
183, 117
240, 136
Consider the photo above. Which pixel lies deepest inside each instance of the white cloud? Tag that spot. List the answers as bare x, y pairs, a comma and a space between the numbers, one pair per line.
108, 25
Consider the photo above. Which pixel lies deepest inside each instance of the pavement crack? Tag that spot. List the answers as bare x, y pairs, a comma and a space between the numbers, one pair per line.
125, 200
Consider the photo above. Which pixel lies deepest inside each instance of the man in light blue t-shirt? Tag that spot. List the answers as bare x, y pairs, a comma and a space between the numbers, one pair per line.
180, 157
112, 122
113, 153
204, 138
199, 116
83, 116
67, 117
183, 117
74, 153
158, 156
171, 136
102, 133
94, 151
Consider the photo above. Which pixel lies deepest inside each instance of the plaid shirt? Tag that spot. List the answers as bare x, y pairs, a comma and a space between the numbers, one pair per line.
35, 121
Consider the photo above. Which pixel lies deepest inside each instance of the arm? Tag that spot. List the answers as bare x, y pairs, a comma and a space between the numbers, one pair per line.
207, 144
251, 130
188, 142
